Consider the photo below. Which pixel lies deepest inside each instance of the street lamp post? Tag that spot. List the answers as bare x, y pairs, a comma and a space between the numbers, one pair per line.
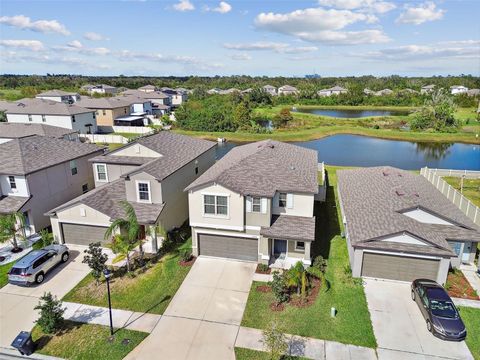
108, 274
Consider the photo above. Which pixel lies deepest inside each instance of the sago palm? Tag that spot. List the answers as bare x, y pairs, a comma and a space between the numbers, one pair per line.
10, 226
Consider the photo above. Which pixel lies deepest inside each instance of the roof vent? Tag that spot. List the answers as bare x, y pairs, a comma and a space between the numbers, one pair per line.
385, 173
400, 192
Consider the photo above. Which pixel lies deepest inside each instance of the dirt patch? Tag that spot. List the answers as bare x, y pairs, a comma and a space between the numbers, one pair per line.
189, 262
309, 300
275, 307
264, 288
458, 286
260, 270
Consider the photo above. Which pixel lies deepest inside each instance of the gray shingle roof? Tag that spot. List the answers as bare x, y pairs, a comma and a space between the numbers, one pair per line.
146, 95
18, 130
103, 103
373, 200
290, 228
55, 93
45, 107
264, 167
29, 154
11, 204
124, 160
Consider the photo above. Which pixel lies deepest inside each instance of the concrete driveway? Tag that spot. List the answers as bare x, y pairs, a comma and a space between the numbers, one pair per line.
400, 328
203, 318
17, 302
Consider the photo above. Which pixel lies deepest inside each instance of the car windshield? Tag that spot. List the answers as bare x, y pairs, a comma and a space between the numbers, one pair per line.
17, 271
443, 308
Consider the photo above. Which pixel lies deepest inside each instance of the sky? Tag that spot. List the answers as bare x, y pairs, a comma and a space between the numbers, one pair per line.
245, 37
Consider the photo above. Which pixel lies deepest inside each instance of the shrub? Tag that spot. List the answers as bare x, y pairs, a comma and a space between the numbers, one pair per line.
186, 254
275, 341
320, 263
51, 313
279, 288
263, 267
95, 259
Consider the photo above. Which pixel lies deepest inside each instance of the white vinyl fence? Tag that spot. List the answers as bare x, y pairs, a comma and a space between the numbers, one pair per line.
322, 189
132, 129
105, 138
435, 177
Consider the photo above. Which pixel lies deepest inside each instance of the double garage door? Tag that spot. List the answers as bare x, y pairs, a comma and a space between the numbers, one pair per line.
228, 247
399, 267
83, 234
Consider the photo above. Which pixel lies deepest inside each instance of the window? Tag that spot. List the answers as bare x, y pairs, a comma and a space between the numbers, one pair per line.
282, 200
97, 112
44, 118
215, 205
30, 118
456, 247
73, 167
84, 188
101, 172
143, 191
13, 184
73, 118
104, 112
256, 204
196, 170
299, 245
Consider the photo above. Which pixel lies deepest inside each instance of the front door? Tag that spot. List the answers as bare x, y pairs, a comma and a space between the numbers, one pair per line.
280, 247
27, 224
467, 248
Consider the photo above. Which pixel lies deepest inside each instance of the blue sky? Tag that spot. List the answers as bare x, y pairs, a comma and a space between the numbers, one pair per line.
268, 37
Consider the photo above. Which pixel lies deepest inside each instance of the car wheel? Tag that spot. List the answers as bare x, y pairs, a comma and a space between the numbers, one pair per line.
39, 278
429, 326
413, 295
65, 257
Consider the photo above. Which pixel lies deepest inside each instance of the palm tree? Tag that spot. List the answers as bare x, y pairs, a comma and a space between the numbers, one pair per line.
46, 237
122, 245
10, 226
296, 276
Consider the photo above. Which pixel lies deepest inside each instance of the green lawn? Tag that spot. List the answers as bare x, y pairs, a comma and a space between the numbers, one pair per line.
471, 318
147, 292
247, 354
471, 187
352, 324
86, 341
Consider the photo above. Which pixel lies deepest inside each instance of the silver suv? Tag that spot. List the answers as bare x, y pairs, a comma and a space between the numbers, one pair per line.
32, 267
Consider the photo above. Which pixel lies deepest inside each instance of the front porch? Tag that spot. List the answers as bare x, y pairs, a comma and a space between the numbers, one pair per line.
286, 253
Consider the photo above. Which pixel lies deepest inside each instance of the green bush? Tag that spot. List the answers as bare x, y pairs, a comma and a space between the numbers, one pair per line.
263, 267
51, 313
279, 288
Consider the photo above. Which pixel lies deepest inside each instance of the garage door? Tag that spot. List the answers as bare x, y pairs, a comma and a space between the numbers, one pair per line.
398, 267
228, 247
83, 234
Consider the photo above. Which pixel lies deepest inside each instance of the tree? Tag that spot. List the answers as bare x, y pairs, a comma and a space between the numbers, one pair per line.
437, 113
296, 276
241, 115
10, 227
51, 313
95, 259
3, 116
283, 118
46, 237
275, 341
279, 288
122, 245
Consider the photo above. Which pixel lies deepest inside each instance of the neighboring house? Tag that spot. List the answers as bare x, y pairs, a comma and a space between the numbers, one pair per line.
246, 91
229, 91
9, 131
214, 91
150, 174
269, 89
138, 103
177, 98
473, 92
102, 89
53, 113
398, 226
147, 88
384, 92
287, 90
256, 204
59, 96
427, 89
38, 173
408, 91
458, 89
368, 92
155, 97
106, 109
336, 90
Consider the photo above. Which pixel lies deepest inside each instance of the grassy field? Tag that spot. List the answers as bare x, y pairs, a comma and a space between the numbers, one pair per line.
471, 318
247, 354
86, 341
149, 292
471, 188
352, 324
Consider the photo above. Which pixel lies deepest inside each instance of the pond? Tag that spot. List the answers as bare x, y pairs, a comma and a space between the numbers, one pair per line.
350, 113
354, 150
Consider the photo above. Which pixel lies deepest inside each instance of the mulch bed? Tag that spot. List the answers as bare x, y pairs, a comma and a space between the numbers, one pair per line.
309, 300
258, 271
275, 307
264, 288
459, 287
189, 262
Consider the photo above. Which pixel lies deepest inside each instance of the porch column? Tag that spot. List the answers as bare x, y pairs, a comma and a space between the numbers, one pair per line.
154, 240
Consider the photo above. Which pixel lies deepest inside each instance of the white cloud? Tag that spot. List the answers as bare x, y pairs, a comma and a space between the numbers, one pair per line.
376, 6
241, 57
322, 25
13, 57
25, 23
77, 46
418, 15
32, 45
184, 5
92, 36
223, 7
257, 46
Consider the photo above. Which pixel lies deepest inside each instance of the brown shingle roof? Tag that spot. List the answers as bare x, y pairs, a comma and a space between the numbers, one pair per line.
290, 228
264, 167
18, 130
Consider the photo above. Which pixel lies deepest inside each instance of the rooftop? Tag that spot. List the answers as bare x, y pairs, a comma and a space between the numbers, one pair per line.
55, 93
290, 228
103, 103
19, 130
45, 107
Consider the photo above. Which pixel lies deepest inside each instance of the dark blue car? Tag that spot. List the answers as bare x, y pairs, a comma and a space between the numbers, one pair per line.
441, 315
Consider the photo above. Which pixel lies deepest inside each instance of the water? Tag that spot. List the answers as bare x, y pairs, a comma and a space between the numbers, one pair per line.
350, 113
354, 150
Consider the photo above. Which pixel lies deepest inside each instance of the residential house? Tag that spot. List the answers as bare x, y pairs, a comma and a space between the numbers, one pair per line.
229, 91
40, 111
10, 131
269, 89
247, 91
384, 92
150, 174
458, 89
368, 92
399, 226
147, 88
336, 90
287, 90
138, 103
427, 89
38, 173
473, 92
154, 97
107, 109
102, 89
256, 204
214, 91
408, 91
177, 98
59, 96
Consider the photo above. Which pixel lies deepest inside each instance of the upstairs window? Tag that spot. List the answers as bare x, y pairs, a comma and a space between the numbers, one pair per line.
44, 118
30, 118
215, 205
73, 118
104, 112
84, 188
143, 191
101, 172
13, 184
282, 200
73, 167
256, 204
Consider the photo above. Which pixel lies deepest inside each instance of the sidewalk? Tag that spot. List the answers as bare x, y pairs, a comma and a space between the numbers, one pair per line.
307, 347
121, 318
466, 302
469, 271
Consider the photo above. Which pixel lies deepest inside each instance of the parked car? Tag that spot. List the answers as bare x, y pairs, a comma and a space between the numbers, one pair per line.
441, 315
33, 267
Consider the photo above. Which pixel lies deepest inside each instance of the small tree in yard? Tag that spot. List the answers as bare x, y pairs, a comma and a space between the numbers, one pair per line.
95, 259
296, 277
275, 341
279, 288
123, 245
12, 227
51, 313
45, 237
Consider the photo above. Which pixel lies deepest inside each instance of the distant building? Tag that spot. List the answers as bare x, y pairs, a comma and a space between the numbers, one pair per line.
312, 76
287, 90
214, 91
384, 92
458, 89
59, 96
336, 90
368, 91
473, 92
106, 109
147, 88
427, 89
269, 89
102, 89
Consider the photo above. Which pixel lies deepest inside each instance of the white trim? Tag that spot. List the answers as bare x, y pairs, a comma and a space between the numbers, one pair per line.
289, 201
83, 223
253, 211
299, 249
138, 182
216, 216
401, 254
214, 194
264, 257
96, 172
250, 227
216, 226
200, 232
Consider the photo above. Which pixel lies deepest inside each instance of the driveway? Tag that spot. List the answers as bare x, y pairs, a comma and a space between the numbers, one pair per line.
400, 328
17, 302
203, 318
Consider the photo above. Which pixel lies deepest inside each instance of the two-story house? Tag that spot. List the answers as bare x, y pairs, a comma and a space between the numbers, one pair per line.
38, 173
269, 89
150, 174
336, 90
256, 204
102, 89
107, 109
287, 90
59, 96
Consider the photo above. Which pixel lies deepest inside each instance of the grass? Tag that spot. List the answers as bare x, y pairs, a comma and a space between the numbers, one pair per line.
471, 188
128, 135
149, 292
81, 341
247, 354
111, 146
471, 318
352, 324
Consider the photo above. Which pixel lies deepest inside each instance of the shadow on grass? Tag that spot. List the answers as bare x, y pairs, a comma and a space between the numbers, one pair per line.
67, 326
165, 298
